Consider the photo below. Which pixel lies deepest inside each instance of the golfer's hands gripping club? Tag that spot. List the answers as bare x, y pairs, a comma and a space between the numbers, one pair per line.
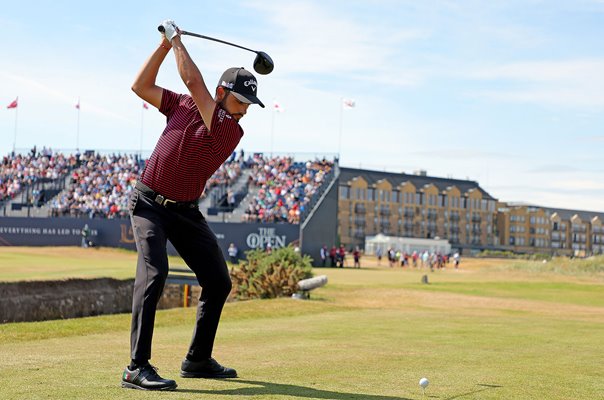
169, 29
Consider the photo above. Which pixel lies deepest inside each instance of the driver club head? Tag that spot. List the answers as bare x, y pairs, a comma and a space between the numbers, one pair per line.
263, 63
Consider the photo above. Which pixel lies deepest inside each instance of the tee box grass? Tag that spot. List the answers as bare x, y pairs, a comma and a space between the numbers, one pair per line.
490, 330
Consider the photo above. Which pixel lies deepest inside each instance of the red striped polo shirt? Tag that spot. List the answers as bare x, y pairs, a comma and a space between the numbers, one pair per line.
187, 153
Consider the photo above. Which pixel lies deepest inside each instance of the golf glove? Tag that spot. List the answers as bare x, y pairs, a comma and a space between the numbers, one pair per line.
170, 29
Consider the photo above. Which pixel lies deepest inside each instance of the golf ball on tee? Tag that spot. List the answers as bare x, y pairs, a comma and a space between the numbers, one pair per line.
424, 383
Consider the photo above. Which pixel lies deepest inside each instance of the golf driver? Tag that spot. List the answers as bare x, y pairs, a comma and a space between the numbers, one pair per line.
263, 63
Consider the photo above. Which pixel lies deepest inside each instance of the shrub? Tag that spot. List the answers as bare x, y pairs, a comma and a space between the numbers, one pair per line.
269, 275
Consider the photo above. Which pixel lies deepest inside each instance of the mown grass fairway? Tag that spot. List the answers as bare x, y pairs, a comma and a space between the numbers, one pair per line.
482, 332
48, 263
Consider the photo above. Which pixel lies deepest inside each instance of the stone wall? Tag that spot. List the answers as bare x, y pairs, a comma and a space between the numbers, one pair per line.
73, 298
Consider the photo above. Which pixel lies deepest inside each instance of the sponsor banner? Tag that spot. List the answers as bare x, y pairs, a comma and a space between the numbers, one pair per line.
118, 233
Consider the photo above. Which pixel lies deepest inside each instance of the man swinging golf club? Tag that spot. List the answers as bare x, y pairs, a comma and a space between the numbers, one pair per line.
201, 133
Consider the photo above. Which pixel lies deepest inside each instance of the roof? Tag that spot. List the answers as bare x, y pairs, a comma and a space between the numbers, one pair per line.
568, 214
395, 179
564, 214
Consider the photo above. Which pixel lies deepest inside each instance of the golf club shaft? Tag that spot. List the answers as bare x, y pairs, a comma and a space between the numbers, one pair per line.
215, 40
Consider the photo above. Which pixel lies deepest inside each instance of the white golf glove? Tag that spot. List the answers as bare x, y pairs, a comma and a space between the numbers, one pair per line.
170, 29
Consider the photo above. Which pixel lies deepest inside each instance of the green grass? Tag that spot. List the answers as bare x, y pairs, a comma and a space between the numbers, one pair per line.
49, 263
569, 293
480, 333
593, 266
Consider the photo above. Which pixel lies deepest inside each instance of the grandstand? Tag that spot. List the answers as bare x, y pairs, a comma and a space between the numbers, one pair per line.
92, 185
256, 190
262, 200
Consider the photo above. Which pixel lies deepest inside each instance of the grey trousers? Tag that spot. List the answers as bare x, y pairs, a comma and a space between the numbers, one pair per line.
187, 229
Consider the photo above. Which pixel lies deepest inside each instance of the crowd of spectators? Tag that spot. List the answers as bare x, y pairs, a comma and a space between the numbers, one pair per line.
285, 187
19, 170
98, 186
226, 175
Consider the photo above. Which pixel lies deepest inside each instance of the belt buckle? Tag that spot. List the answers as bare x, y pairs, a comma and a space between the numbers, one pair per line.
159, 199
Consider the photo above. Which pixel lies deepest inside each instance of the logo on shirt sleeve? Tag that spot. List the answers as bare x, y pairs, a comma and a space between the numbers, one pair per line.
222, 114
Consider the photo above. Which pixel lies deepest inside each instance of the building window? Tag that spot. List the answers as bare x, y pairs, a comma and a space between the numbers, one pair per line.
344, 192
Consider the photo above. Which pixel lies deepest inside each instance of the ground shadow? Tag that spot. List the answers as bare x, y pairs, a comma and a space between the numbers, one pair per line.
260, 388
483, 387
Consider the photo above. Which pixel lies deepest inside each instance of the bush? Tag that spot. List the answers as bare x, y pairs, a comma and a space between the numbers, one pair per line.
270, 275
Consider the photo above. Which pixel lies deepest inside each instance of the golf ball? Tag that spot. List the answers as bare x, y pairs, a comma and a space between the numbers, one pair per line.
424, 383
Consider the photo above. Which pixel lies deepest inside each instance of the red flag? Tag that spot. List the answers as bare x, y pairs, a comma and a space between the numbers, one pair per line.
277, 107
13, 104
348, 103
145, 106
78, 104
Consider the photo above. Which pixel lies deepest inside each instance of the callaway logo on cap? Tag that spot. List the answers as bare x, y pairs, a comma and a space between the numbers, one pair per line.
242, 85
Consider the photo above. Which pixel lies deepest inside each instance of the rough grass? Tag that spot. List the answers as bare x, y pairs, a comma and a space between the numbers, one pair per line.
482, 332
593, 266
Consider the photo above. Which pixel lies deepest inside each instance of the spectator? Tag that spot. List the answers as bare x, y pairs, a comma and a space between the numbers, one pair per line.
342, 256
332, 256
356, 254
233, 251
85, 236
323, 253
456, 259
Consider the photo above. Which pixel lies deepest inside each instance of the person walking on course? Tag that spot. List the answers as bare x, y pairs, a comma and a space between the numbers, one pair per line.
233, 251
323, 253
201, 133
357, 257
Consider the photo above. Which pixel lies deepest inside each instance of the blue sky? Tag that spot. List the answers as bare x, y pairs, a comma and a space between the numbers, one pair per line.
507, 93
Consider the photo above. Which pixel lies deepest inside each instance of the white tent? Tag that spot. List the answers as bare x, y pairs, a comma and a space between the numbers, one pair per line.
405, 244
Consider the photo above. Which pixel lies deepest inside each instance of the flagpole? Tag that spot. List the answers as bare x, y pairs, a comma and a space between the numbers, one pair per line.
272, 129
341, 121
15, 138
78, 128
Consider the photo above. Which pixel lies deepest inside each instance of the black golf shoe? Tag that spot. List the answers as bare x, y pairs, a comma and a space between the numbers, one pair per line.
208, 368
146, 378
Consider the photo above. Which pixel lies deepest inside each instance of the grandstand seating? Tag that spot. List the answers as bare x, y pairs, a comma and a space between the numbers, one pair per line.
21, 170
286, 188
98, 186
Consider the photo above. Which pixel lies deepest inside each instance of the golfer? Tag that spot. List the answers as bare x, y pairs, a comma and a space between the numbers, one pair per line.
201, 133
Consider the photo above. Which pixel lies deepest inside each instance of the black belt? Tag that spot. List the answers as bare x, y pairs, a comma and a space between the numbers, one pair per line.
161, 200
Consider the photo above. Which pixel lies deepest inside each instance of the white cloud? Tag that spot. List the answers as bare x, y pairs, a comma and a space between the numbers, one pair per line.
574, 83
577, 185
554, 168
314, 40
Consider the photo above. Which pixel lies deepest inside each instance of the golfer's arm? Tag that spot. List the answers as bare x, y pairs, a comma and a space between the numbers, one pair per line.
144, 84
192, 78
